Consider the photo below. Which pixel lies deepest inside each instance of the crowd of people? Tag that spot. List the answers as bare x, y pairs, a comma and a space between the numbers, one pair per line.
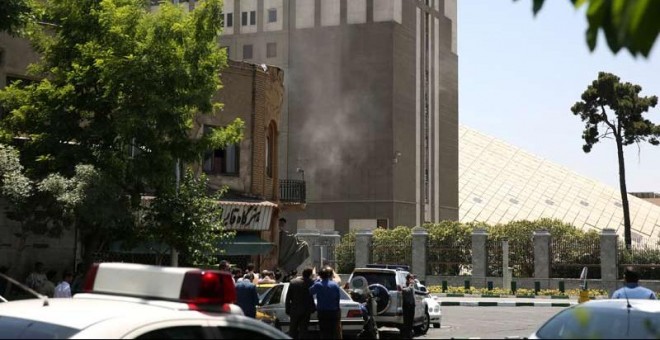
47, 282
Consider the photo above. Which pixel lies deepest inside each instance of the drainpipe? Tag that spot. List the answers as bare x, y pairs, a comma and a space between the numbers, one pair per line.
252, 123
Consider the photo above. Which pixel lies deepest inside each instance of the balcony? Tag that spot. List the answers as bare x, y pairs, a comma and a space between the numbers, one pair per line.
292, 191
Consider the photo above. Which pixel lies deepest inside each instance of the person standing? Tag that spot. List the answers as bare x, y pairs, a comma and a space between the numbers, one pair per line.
327, 304
246, 295
63, 289
37, 278
631, 288
299, 304
48, 287
408, 296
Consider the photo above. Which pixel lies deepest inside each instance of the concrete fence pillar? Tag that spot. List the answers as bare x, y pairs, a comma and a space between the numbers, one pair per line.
608, 259
312, 237
363, 248
479, 257
542, 257
419, 241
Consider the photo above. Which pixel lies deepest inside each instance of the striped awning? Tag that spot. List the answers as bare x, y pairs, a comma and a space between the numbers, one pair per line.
247, 215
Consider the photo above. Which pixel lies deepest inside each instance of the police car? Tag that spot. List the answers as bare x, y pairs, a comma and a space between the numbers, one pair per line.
133, 301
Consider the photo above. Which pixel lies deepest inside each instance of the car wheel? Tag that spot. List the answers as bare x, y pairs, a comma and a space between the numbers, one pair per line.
424, 327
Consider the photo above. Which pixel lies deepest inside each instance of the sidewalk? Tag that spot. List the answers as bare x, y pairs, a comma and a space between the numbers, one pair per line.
477, 301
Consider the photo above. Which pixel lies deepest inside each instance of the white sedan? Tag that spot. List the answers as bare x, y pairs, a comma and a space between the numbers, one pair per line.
130, 301
432, 305
272, 305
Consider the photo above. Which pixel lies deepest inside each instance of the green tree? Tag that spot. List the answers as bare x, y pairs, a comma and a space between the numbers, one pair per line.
188, 219
619, 108
14, 15
121, 87
632, 25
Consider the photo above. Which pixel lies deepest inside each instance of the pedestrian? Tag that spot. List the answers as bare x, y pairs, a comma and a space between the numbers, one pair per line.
327, 295
266, 277
299, 304
63, 289
48, 287
408, 297
237, 273
224, 266
246, 295
631, 288
250, 269
37, 278
78, 279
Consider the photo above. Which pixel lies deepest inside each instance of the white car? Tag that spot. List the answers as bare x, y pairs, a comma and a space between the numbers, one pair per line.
432, 305
272, 305
130, 301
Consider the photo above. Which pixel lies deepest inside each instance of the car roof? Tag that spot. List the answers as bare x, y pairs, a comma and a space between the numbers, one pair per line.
83, 312
643, 305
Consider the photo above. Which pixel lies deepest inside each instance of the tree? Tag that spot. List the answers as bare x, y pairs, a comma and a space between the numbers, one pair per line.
121, 87
607, 95
187, 219
14, 15
632, 25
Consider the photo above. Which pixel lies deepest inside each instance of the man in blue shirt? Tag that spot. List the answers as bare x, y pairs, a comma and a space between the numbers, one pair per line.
631, 288
246, 295
327, 304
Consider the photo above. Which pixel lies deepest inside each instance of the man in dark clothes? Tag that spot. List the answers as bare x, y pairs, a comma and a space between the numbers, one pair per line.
408, 296
299, 304
246, 295
327, 304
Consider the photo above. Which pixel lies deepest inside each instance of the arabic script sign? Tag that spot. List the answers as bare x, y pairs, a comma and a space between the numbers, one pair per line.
246, 217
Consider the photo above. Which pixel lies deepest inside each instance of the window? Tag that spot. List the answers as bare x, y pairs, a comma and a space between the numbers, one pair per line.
253, 18
271, 50
244, 18
247, 51
272, 15
229, 20
224, 161
19, 328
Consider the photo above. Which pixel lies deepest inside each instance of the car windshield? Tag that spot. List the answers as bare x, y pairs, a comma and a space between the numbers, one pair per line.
386, 279
601, 323
18, 328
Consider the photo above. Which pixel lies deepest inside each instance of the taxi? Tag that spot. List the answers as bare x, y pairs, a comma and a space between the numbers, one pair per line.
134, 301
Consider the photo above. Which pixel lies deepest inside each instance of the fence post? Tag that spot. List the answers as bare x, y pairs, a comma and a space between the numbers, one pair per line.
419, 238
363, 248
608, 259
506, 273
479, 257
542, 256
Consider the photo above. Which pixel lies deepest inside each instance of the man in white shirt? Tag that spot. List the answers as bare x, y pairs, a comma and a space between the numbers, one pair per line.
63, 289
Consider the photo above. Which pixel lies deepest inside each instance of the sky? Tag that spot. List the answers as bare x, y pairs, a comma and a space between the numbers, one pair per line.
519, 75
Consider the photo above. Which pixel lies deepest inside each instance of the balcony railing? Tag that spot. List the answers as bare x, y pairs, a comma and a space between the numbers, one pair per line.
292, 191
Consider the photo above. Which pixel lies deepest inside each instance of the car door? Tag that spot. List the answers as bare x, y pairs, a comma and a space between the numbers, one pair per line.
273, 304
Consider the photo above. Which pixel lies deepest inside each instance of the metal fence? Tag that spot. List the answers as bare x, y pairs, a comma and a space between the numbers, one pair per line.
448, 257
645, 258
392, 252
521, 257
570, 255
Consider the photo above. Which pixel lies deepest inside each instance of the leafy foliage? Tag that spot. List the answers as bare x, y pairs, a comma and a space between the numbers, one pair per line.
345, 253
449, 247
392, 246
14, 15
188, 219
631, 25
119, 93
626, 125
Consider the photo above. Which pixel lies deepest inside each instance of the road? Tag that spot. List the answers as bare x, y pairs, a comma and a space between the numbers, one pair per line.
487, 322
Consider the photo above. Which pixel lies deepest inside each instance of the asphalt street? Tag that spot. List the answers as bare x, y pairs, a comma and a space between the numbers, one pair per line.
486, 322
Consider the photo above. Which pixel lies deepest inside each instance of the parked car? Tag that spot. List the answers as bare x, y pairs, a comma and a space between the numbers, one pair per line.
604, 319
273, 305
387, 281
130, 301
432, 305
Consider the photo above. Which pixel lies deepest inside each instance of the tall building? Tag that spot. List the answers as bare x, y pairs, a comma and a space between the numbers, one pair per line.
370, 116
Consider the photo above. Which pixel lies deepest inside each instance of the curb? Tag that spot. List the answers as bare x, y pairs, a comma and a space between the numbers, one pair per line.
506, 304
539, 297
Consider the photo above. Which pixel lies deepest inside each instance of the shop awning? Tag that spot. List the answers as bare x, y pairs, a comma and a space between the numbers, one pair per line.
246, 244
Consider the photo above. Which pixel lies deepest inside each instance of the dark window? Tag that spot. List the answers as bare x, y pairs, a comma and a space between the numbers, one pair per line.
229, 21
18, 328
247, 51
273, 296
221, 161
181, 332
244, 18
272, 15
253, 18
271, 50
386, 279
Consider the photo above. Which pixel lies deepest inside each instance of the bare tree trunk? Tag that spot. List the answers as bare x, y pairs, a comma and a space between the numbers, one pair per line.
624, 195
